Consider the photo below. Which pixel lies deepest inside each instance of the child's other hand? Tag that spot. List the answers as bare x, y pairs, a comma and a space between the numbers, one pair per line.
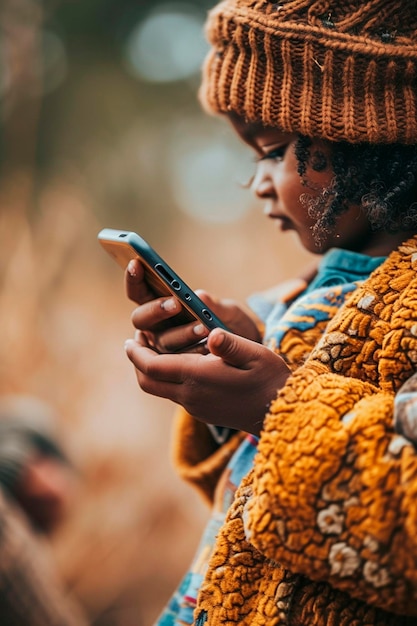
240, 321
231, 386
153, 313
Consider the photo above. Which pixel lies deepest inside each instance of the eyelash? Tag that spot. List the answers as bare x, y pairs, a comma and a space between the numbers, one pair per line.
277, 154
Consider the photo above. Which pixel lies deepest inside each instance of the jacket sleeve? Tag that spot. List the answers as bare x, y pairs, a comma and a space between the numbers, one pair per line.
334, 490
334, 486
197, 457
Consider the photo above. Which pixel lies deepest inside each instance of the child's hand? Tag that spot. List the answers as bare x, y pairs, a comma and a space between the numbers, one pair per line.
153, 313
232, 386
136, 287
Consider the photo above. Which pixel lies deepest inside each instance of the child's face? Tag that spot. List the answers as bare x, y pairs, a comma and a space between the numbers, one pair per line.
278, 183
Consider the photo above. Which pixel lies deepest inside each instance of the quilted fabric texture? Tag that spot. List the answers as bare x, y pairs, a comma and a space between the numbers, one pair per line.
323, 530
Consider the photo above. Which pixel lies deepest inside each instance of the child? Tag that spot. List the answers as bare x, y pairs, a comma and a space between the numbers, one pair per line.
313, 492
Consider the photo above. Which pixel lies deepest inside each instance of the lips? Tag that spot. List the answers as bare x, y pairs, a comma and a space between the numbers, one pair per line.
282, 221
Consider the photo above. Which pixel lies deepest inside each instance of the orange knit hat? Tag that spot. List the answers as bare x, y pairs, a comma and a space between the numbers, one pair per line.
338, 69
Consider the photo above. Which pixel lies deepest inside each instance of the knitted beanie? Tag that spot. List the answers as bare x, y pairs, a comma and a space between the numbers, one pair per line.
336, 69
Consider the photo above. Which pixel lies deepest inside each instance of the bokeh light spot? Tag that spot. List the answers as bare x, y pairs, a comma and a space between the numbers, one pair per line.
55, 62
208, 169
168, 45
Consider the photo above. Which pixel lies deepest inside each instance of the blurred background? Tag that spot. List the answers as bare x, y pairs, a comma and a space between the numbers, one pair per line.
100, 127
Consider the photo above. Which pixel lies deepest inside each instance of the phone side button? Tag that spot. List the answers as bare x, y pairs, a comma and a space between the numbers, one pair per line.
207, 314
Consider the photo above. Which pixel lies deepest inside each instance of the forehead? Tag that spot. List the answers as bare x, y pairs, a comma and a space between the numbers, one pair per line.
253, 132
261, 137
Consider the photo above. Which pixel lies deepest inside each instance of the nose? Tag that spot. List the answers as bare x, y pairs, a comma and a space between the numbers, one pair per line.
262, 184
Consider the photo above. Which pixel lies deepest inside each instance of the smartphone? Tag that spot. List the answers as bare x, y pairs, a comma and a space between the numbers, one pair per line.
124, 245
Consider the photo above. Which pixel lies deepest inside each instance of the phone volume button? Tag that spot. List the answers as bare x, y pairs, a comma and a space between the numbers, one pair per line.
207, 314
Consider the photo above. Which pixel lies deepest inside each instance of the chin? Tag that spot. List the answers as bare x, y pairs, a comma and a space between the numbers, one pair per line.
315, 247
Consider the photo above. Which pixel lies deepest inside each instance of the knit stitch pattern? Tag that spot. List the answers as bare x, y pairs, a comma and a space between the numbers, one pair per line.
336, 69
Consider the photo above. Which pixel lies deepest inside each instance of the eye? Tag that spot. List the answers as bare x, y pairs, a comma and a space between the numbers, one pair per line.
277, 154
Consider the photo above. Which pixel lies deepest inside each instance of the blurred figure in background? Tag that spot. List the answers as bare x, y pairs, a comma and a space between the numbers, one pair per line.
34, 469
37, 484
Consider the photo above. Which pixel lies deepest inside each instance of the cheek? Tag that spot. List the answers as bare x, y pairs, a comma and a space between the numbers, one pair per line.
292, 193
288, 180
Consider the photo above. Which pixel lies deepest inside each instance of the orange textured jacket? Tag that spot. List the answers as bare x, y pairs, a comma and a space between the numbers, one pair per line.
323, 530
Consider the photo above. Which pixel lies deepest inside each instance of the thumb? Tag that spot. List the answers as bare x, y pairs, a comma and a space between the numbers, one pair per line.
232, 349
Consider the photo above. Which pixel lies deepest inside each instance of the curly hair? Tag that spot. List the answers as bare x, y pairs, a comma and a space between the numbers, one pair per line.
380, 178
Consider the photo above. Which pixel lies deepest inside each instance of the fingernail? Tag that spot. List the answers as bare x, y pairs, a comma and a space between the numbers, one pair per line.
131, 268
128, 343
169, 305
199, 330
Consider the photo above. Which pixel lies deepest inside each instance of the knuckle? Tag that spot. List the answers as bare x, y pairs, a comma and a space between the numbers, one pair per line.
149, 371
